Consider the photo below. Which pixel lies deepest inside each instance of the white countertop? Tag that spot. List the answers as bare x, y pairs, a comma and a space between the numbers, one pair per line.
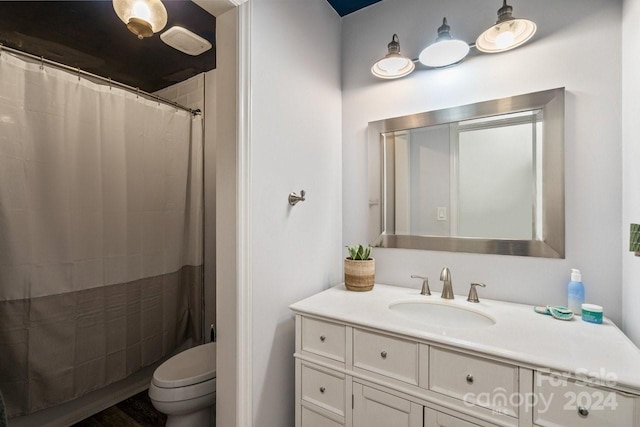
519, 334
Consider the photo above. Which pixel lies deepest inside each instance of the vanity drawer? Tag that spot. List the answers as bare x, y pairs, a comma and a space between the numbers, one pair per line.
323, 338
564, 402
389, 356
474, 380
323, 388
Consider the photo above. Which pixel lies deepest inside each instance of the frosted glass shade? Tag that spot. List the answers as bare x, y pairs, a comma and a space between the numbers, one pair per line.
143, 17
506, 35
444, 53
393, 65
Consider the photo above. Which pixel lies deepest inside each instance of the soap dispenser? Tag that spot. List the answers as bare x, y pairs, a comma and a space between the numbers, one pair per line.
575, 292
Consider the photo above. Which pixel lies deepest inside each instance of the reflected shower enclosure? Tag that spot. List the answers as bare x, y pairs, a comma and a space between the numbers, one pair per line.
481, 178
474, 178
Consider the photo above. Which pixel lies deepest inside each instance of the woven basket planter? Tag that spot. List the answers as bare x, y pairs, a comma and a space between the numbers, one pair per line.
359, 276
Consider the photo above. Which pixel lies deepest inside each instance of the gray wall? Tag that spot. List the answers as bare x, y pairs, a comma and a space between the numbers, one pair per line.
578, 46
630, 165
226, 213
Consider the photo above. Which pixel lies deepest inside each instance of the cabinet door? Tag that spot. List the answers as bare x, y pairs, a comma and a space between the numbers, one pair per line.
311, 418
375, 408
433, 418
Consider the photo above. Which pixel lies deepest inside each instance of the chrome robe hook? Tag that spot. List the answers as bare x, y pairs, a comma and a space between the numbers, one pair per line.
294, 198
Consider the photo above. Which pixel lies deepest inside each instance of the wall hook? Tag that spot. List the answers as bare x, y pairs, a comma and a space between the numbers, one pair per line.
294, 198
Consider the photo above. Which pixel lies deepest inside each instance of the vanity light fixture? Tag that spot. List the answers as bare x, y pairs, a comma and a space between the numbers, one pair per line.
143, 17
393, 65
507, 33
445, 50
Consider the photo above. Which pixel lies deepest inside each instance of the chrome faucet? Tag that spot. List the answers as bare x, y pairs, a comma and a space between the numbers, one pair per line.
425, 284
447, 289
473, 293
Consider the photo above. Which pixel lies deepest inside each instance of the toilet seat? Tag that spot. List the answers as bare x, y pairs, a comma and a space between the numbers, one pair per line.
193, 366
177, 394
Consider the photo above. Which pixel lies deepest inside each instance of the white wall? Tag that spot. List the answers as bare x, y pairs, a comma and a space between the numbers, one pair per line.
630, 165
295, 144
430, 175
578, 46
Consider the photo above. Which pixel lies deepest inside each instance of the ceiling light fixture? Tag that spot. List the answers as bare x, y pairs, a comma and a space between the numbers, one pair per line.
507, 33
393, 65
143, 17
445, 50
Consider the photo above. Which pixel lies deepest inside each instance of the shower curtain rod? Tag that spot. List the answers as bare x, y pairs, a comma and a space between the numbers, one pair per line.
92, 76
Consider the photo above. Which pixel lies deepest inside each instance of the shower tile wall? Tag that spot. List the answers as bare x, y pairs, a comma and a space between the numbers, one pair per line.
189, 93
199, 93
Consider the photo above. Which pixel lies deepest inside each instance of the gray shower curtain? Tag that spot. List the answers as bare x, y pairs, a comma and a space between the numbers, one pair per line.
100, 234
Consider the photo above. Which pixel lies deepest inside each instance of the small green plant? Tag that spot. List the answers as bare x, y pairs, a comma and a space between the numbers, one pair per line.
359, 252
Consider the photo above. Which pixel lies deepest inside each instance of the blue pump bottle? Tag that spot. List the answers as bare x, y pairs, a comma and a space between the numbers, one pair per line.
575, 292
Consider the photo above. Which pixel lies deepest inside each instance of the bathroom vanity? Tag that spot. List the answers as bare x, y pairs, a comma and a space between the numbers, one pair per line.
393, 357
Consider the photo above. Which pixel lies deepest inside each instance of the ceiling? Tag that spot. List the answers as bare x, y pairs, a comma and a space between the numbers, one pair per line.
345, 7
89, 35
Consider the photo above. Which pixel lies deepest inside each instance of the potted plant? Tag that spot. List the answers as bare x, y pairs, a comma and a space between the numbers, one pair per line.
359, 269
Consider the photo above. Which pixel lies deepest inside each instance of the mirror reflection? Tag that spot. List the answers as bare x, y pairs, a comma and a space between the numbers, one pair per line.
479, 183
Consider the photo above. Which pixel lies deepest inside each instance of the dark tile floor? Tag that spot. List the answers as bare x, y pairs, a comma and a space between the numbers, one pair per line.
137, 411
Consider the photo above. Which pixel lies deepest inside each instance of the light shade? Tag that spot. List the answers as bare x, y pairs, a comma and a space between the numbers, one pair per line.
393, 65
143, 17
507, 33
445, 50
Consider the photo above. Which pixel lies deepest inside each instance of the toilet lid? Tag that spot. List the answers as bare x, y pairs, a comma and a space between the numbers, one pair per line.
191, 366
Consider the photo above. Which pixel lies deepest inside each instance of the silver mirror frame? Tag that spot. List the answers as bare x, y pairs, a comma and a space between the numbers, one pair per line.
552, 245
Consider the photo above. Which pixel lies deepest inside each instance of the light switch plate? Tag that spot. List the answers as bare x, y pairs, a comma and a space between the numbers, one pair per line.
442, 214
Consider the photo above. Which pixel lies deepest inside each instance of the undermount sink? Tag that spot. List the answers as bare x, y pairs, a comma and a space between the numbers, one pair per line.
441, 314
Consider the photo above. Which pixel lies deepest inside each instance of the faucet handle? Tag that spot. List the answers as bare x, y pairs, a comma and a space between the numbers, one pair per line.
425, 284
473, 294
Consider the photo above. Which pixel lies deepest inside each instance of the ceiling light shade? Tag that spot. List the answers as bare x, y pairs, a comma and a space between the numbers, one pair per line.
393, 65
143, 17
445, 50
507, 33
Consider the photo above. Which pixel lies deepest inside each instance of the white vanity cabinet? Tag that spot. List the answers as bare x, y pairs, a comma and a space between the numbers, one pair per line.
351, 376
359, 366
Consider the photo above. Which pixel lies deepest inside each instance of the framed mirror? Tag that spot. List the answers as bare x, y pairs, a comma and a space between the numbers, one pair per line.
482, 178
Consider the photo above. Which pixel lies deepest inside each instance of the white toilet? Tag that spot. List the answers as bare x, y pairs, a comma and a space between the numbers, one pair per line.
184, 387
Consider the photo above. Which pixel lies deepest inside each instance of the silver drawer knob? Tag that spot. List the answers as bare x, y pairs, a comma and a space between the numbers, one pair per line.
322, 389
469, 379
322, 338
583, 411
383, 354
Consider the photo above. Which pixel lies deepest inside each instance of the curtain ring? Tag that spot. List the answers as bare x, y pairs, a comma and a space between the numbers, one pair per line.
42, 63
78, 73
158, 99
137, 92
1, 45
109, 83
